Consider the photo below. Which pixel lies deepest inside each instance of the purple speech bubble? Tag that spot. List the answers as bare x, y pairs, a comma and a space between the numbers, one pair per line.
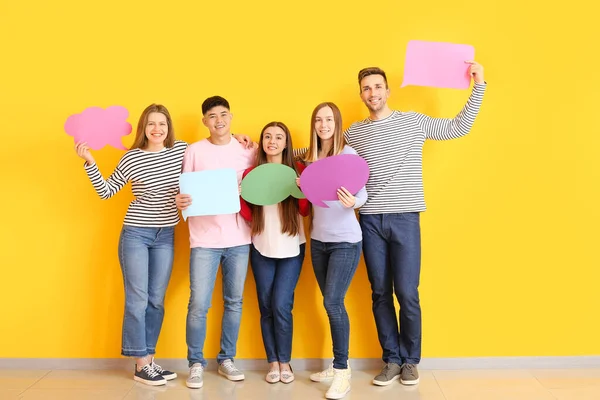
321, 180
437, 64
99, 127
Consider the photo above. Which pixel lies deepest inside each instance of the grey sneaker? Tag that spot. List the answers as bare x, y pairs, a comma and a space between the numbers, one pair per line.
230, 371
196, 378
409, 375
389, 373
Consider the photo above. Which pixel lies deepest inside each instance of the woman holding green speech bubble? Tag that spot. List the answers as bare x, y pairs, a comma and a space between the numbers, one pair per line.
336, 243
276, 254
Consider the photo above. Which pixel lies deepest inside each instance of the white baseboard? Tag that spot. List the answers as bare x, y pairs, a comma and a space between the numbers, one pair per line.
312, 364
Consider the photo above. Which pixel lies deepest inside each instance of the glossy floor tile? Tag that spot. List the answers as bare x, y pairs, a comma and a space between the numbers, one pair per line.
564, 384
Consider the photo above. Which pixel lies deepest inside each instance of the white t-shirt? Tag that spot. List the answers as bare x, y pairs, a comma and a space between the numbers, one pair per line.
274, 244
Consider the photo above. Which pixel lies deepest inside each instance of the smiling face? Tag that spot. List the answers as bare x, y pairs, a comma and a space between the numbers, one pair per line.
274, 141
325, 123
157, 129
218, 121
374, 92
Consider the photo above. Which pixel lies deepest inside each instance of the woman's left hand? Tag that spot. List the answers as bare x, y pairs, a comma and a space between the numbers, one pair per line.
346, 198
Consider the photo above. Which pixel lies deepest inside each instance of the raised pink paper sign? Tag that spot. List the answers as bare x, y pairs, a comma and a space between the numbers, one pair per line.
437, 64
320, 180
99, 127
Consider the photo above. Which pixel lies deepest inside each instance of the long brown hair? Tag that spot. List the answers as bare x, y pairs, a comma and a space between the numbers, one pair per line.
288, 208
312, 154
141, 141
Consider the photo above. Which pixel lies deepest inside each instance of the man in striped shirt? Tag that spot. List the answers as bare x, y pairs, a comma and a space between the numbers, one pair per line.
391, 142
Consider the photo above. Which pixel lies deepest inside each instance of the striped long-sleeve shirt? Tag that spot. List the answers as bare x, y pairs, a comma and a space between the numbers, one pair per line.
393, 149
154, 180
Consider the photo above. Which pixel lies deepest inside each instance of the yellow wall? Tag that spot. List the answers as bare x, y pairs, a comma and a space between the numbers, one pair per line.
510, 254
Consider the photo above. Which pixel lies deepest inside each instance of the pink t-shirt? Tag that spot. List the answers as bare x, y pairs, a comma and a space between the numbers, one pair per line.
218, 231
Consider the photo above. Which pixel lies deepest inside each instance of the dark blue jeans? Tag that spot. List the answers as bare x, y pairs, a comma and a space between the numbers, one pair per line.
276, 280
334, 265
392, 251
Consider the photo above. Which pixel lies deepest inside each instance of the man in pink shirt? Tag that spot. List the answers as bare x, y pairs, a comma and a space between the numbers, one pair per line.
216, 239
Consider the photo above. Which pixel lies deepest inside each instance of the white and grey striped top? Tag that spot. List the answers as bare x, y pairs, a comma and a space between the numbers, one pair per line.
154, 180
393, 149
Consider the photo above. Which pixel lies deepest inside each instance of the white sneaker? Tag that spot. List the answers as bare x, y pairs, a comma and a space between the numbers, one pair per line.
326, 375
340, 385
196, 378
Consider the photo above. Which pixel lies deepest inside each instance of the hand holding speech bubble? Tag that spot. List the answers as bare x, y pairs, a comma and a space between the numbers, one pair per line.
99, 127
437, 64
270, 184
321, 180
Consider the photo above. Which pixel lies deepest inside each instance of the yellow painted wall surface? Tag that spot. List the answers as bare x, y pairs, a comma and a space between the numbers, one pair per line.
510, 253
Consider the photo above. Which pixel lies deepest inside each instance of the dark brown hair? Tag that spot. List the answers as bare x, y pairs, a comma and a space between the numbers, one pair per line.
363, 73
141, 141
288, 208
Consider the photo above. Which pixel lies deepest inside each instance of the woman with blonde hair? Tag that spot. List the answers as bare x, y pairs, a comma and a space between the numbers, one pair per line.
336, 242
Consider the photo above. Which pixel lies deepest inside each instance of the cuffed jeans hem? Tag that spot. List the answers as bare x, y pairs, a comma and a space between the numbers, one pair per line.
135, 353
412, 361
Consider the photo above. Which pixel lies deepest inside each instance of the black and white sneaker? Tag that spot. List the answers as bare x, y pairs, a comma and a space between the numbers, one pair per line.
147, 375
168, 375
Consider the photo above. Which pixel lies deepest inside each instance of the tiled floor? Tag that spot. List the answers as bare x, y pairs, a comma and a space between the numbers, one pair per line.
569, 384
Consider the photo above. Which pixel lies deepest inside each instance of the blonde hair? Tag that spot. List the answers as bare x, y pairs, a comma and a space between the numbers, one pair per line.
339, 142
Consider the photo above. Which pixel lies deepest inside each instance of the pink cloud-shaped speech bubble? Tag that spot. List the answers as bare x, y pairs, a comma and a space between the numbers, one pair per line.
99, 127
321, 180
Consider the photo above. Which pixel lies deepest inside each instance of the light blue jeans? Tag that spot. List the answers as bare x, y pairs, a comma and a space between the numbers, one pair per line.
204, 264
146, 257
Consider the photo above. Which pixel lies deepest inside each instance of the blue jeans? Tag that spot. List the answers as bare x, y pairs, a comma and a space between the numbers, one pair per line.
146, 257
392, 251
276, 280
204, 263
334, 265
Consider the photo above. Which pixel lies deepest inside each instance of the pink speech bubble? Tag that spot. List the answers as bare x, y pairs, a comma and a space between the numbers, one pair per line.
99, 127
437, 64
320, 180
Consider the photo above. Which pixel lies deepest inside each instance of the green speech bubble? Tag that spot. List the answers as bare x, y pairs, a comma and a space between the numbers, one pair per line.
269, 184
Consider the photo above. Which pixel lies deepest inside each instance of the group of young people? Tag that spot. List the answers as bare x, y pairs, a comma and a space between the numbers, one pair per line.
272, 237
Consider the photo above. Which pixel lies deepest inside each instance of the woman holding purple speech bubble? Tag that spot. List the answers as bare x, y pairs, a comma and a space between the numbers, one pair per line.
336, 243
276, 254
